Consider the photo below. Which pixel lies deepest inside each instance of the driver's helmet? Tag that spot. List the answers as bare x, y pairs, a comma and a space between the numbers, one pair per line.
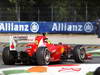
46, 38
48, 41
43, 34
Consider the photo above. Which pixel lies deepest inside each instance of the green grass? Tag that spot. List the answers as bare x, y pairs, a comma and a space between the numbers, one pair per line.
89, 73
7, 72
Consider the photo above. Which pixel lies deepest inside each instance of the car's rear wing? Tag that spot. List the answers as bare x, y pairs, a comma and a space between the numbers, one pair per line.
14, 40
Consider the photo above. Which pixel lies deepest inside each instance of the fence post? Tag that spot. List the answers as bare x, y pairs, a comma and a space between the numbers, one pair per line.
86, 10
51, 13
18, 10
38, 14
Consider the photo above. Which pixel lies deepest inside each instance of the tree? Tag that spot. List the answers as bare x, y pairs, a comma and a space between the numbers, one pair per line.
5, 11
47, 10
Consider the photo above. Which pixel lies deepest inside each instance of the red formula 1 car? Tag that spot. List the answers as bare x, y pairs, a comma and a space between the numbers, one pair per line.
42, 52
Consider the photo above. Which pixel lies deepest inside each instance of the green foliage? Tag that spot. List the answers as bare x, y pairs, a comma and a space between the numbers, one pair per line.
12, 1
61, 10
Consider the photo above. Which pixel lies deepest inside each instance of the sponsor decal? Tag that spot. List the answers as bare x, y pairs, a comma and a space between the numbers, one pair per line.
88, 27
38, 69
18, 27
66, 27
38, 27
34, 27
11, 26
66, 69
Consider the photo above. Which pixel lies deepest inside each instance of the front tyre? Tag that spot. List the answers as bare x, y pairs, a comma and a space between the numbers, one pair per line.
43, 56
79, 54
8, 57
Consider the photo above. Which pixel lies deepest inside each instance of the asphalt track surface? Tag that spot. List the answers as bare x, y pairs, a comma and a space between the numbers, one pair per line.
95, 60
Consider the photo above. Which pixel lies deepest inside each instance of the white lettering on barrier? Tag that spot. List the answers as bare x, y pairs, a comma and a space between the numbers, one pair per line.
80, 27
26, 27
54, 28
65, 27
21, 27
69, 28
16, 28
13, 27
1, 26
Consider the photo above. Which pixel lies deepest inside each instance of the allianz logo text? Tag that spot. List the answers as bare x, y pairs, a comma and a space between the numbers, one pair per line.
10, 26
87, 27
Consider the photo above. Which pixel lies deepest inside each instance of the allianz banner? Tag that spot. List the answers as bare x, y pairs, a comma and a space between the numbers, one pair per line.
50, 27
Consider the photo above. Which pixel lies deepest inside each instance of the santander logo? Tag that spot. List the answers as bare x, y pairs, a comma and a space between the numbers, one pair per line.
69, 69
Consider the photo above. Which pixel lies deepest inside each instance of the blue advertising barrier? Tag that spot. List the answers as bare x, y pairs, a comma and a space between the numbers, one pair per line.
50, 27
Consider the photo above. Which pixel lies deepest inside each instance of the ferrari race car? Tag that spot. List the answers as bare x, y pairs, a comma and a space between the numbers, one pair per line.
42, 52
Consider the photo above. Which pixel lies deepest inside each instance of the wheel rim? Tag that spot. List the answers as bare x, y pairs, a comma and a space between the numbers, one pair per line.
47, 56
81, 53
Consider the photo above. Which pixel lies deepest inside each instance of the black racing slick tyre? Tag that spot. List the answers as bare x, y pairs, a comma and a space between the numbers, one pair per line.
43, 56
8, 57
79, 54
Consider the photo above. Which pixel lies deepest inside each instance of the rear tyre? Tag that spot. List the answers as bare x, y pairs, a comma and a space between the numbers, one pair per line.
43, 56
8, 57
79, 54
